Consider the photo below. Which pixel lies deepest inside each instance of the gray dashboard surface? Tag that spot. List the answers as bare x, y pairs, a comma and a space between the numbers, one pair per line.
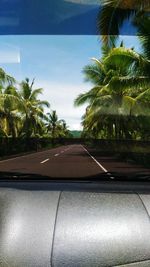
26, 227
78, 229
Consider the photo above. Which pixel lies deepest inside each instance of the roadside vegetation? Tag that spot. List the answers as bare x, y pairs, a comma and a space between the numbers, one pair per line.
118, 103
22, 112
24, 125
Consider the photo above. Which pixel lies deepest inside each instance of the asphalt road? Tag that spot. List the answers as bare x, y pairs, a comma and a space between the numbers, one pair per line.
72, 161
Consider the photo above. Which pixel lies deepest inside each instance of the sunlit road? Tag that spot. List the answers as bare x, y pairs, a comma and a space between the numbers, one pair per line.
67, 162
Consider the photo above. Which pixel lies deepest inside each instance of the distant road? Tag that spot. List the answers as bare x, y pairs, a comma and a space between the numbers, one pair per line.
67, 162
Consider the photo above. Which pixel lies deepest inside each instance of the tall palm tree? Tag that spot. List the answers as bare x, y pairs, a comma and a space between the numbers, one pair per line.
55, 127
52, 123
32, 108
9, 101
9, 112
113, 97
64, 132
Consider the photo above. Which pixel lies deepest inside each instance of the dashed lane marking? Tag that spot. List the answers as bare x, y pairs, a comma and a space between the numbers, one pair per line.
44, 161
24, 156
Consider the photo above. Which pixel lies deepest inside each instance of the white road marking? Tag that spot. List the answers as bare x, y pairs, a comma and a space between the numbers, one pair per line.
56, 155
24, 156
95, 160
27, 155
44, 161
100, 165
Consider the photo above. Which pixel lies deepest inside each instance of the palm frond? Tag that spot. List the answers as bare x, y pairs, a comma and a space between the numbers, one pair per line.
87, 97
122, 56
35, 93
127, 82
110, 19
93, 73
44, 103
113, 13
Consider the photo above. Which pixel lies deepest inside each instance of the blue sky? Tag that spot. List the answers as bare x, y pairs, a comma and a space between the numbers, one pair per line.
56, 63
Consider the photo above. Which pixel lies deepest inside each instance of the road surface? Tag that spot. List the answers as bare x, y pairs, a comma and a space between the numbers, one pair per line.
71, 161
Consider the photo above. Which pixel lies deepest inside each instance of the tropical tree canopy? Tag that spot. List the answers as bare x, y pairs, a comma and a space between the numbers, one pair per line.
57, 128
120, 94
22, 113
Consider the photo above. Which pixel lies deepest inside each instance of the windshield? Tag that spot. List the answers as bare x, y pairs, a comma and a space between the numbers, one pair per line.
75, 88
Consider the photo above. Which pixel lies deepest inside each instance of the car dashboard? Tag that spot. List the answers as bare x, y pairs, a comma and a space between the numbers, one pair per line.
77, 224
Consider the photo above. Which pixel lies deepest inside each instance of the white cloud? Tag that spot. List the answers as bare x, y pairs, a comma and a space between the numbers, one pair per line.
61, 98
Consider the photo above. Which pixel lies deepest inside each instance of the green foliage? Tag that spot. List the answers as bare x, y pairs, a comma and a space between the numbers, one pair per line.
76, 134
120, 96
22, 111
55, 127
113, 14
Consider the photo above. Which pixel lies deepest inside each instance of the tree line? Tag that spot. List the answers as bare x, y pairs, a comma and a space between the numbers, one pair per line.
118, 104
22, 112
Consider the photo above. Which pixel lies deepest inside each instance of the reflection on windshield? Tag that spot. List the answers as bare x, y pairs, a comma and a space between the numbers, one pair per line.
77, 106
70, 17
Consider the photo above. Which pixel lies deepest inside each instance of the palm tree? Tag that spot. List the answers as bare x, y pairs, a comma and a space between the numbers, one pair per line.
64, 132
32, 108
114, 13
113, 97
6, 79
9, 113
9, 101
55, 127
53, 123
143, 23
